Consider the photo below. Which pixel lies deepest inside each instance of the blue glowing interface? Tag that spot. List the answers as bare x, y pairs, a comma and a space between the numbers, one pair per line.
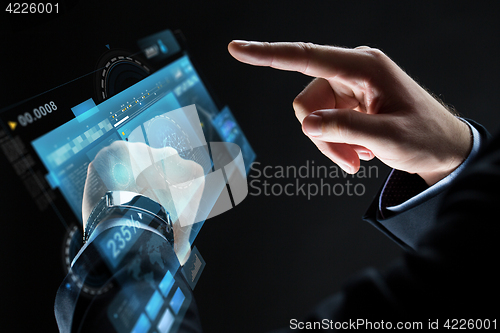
228, 129
138, 114
156, 300
67, 150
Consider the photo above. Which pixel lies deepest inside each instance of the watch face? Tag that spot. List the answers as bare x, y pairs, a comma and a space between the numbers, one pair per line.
122, 228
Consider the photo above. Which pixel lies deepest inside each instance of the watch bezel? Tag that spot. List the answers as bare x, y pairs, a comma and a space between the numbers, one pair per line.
119, 202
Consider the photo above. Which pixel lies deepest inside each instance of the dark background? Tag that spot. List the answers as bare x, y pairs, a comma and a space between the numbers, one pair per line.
272, 258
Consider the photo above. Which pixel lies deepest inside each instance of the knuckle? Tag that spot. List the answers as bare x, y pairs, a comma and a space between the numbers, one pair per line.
298, 106
268, 46
375, 60
342, 124
298, 103
307, 49
374, 53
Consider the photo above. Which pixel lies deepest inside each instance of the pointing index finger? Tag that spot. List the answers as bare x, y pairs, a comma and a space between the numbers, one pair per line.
307, 58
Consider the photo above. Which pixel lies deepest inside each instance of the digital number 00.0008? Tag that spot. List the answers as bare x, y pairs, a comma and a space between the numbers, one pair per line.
32, 8
27, 118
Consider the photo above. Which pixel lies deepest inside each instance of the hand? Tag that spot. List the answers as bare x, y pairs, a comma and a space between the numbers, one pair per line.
362, 105
136, 167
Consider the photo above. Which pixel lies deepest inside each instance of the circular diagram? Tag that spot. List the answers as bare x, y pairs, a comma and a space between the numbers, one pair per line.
118, 70
163, 131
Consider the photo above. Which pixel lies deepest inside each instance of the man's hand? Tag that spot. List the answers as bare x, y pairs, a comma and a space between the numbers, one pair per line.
136, 167
362, 105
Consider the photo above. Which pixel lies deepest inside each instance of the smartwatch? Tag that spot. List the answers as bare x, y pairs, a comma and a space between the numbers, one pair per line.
116, 204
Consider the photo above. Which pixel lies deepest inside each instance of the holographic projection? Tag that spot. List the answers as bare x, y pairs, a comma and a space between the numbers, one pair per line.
188, 182
161, 139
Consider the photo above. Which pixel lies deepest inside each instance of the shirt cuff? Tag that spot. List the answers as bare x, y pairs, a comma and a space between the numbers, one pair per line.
403, 191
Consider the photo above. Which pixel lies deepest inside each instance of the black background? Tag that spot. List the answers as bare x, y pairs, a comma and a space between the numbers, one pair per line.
272, 258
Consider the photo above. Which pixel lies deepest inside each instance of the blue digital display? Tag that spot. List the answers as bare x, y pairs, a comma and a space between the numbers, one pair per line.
142, 325
154, 305
82, 108
146, 112
166, 321
166, 284
115, 243
177, 300
150, 301
67, 150
230, 131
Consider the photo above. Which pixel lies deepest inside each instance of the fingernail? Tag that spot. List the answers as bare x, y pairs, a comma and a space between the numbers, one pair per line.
364, 155
313, 125
347, 168
240, 42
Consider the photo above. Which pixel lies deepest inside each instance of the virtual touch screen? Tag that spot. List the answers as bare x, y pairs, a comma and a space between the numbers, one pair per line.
139, 114
152, 100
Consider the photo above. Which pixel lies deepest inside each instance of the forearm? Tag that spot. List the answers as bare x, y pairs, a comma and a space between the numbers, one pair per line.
140, 280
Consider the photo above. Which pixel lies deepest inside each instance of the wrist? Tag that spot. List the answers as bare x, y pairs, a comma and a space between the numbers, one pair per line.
133, 206
459, 149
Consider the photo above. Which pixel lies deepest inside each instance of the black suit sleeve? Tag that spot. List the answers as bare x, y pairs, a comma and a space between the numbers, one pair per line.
407, 227
452, 272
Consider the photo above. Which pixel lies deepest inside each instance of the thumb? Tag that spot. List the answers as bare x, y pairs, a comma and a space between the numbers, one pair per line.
348, 126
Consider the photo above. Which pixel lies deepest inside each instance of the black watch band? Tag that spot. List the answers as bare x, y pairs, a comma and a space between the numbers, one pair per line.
119, 203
